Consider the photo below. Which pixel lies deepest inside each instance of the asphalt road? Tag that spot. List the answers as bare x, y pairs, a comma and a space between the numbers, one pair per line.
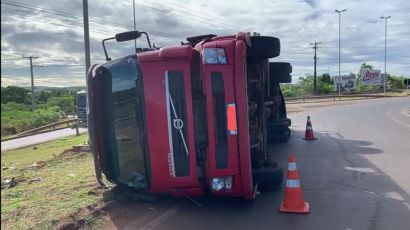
38, 138
356, 175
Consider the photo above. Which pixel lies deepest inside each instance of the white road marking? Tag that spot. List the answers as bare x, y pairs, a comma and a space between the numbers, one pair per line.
406, 112
388, 115
160, 219
357, 169
407, 205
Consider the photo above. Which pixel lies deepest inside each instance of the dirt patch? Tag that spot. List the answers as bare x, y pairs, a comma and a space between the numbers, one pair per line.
38, 165
70, 153
83, 217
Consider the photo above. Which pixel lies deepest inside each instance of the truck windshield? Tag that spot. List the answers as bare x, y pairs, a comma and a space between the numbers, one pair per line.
127, 118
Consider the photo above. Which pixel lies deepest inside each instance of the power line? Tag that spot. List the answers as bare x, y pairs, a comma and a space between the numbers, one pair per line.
204, 13
53, 23
105, 22
104, 32
168, 10
78, 18
200, 14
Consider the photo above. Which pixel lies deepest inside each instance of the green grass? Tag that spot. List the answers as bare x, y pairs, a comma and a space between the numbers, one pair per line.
30, 155
64, 187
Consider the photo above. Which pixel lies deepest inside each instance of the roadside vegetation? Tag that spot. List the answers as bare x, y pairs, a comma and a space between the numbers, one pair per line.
16, 111
45, 185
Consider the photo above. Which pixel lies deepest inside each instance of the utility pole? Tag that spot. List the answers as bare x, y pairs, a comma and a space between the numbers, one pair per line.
33, 101
315, 47
86, 37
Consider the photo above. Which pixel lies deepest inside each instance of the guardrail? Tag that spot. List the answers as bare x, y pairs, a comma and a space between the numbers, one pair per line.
73, 123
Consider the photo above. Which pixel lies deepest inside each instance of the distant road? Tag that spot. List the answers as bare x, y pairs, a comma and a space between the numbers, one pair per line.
38, 138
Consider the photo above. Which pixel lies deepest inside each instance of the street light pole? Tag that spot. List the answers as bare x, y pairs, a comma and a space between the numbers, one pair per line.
340, 80
385, 52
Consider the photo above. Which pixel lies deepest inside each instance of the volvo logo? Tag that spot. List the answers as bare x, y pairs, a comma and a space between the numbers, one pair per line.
178, 123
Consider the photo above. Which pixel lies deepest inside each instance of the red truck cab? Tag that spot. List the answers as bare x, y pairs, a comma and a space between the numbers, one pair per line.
188, 119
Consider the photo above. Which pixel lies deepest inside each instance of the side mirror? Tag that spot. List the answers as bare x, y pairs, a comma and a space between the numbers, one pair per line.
127, 36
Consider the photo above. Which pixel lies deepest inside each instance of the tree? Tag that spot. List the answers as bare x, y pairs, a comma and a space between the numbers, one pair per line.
365, 66
326, 78
396, 82
14, 94
43, 96
359, 85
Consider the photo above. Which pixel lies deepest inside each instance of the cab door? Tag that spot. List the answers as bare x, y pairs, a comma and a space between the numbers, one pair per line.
170, 121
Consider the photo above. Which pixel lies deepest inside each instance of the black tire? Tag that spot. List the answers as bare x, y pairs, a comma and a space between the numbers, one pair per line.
280, 67
264, 47
280, 72
280, 78
269, 177
278, 132
280, 137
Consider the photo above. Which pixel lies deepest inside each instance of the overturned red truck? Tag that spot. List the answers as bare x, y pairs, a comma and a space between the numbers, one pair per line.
192, 118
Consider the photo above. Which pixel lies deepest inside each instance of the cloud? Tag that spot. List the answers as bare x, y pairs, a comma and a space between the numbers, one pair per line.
311, 3
53, 31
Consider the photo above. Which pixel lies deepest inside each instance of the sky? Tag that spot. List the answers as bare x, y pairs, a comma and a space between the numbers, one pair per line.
53, 31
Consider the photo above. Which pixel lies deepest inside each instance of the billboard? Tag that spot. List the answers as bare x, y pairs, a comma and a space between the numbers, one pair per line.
371, 77
347, 82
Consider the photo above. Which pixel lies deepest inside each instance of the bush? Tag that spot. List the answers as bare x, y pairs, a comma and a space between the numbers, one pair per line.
324, 88
65, 103
16, 118
288, 93
45, 116
396, 82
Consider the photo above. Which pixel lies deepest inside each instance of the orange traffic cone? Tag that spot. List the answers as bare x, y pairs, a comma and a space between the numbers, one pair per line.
309, 136
293, 200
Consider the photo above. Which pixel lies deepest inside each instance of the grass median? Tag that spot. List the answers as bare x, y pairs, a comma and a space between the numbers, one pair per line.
43, 184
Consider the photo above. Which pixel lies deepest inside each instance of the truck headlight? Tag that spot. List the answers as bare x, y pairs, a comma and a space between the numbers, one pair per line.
217, 184
214, 56
228, 182
220, 183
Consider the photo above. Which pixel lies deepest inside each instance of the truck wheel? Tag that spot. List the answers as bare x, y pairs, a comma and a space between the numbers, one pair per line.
278, 133
279, 72
280, 67
264, 47
269, 177
280, 78
283, 137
